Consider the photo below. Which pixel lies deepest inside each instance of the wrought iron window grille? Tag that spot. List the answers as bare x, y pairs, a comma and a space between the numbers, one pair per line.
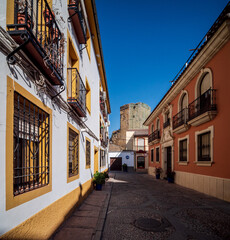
31, 146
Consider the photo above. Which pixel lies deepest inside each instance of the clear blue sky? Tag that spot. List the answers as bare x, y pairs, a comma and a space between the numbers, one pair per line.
145, 43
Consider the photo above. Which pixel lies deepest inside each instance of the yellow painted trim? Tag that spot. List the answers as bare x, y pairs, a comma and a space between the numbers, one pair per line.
95, 41
11, 200
72, 178
43, 224
87, 166
10, 12
96, 164
88, 96
71, 52
88, 43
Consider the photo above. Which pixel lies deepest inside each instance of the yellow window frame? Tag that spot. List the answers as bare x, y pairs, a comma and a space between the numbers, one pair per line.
11, 200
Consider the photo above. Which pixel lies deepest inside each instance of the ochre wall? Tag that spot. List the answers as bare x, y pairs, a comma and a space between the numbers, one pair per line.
43, 224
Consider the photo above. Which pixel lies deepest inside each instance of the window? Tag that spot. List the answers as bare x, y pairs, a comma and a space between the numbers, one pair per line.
31, 146
152, 128
152, 155
140, 144
73, 153
204, 152
158, 124
183, 150
157, 155
88, 97
87, 154
102, 158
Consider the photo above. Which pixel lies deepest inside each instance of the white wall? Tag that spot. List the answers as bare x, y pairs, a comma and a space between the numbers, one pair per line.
60, 187
130, 154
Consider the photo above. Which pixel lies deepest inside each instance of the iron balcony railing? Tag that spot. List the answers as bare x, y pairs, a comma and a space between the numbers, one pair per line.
154, 135
206, 102
78, 20
167, 123
180, 118
34, 25
76, 92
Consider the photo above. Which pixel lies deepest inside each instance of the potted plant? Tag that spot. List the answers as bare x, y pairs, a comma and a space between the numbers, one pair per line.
158, 171
170, 176
98, 179
125, 167
106, 175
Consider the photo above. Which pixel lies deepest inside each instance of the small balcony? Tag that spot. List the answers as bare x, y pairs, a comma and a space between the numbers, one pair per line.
103, 106
77, 18
35, 29
203, 109
167, 123
180, 121
76, 92
154, 137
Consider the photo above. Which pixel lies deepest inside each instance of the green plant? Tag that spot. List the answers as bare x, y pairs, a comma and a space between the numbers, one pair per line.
125, 167
158, 170
170, 174
106, 175
99, 178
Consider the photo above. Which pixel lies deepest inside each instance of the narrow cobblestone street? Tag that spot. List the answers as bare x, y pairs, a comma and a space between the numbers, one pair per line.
142, 207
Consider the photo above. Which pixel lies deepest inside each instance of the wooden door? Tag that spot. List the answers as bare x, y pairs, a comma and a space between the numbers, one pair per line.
116, 164
95, 159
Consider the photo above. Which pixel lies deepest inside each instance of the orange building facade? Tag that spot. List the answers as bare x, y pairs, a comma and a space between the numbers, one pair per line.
189, 131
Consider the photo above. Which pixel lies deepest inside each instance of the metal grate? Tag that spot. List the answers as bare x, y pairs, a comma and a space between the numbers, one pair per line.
206, 102
37, 19
31, 145
88, 160
154, 135
180, 118
73, 153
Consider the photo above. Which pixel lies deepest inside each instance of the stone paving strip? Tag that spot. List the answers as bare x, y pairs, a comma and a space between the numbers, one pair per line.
87, 221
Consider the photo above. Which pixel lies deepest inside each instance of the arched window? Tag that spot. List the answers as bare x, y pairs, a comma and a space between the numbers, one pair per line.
205, 84
158, 124
152, 128
184, 102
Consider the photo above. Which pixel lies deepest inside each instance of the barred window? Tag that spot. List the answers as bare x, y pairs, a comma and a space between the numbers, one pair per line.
204, 147
152, 155
102, 158
31, 146
88, 161
73, 153
157, 155
183, 150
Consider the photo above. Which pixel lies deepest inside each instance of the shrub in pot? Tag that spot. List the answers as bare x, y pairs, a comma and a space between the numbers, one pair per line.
158, 171
98, 179
125, 167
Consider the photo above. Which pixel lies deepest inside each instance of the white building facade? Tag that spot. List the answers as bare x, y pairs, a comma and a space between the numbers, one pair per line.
54, 103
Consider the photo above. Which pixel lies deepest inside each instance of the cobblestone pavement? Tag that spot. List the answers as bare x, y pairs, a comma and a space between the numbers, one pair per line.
142, 207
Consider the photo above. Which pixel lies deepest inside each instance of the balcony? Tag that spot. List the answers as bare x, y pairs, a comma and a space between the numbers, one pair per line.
167, 123
203, 109
103, 106
77, 92
180, 121
154, 137
77, 17
36, 31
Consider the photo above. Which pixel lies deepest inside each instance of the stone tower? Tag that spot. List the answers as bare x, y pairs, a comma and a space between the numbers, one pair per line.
132, 116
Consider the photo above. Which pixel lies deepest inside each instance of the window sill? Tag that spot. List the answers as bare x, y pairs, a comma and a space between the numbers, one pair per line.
204, 163
183, 163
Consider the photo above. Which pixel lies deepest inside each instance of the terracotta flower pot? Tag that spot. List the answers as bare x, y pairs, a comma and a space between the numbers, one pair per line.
48, 17
54, 35
22, 20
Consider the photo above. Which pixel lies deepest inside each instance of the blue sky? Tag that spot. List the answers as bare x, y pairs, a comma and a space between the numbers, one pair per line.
145, 43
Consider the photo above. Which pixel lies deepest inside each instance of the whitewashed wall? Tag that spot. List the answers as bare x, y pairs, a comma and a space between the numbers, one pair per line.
60, 187
123, 154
